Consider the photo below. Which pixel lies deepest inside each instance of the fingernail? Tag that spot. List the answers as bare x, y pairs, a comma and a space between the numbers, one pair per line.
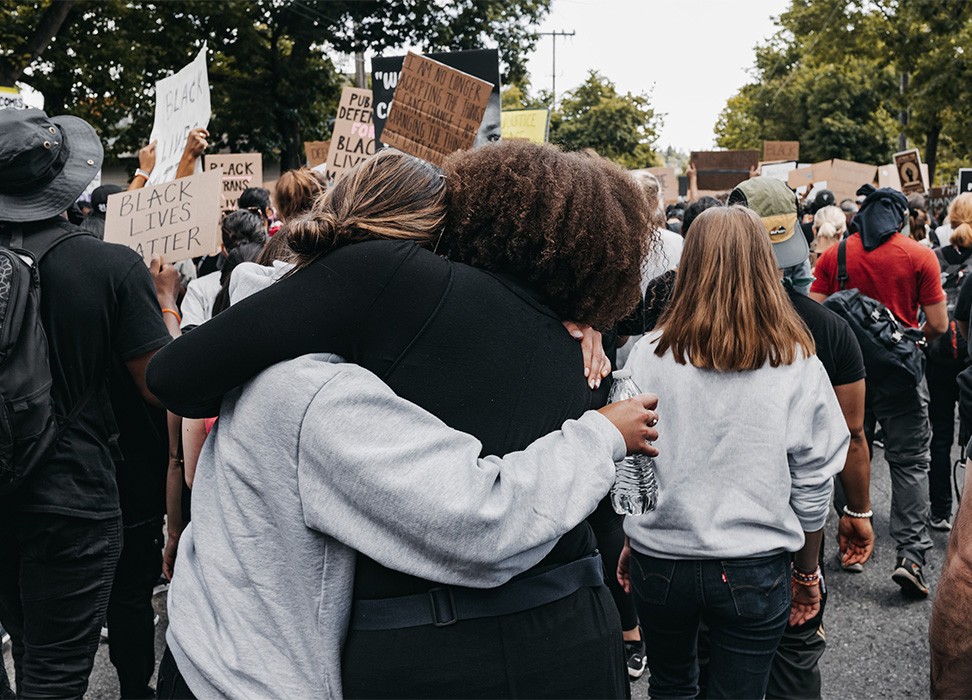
587, 372
576, 334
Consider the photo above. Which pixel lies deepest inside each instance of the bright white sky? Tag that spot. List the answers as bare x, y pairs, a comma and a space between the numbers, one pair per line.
691, 54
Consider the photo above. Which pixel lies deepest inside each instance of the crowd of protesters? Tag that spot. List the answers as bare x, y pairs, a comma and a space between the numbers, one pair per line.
376, 423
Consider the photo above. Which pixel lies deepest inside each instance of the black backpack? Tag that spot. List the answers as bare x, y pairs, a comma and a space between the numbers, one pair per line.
951, 347
29, 424
892, 352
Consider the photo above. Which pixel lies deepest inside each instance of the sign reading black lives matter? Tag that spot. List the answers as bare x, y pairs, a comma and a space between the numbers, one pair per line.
181, 104
240, 171
437, 110
481, 63
177, 220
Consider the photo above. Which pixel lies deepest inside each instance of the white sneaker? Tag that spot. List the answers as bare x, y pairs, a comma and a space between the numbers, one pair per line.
940, 524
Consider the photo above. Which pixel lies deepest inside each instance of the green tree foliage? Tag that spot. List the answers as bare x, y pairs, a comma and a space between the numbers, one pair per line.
621, 127
273, 83
832, 78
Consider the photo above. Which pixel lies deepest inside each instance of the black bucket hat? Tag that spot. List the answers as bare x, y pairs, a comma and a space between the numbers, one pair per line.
46, 163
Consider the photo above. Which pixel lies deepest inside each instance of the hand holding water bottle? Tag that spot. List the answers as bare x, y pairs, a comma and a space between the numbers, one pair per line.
635, 419
635, 489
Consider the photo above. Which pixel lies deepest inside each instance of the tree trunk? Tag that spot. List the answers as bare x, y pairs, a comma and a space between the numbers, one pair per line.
931, 151
47, 29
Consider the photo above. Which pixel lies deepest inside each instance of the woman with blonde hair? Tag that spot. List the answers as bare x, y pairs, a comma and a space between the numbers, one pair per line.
829, 227
753, 436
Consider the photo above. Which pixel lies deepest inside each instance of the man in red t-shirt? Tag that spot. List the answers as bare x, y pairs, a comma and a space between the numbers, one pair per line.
904, 276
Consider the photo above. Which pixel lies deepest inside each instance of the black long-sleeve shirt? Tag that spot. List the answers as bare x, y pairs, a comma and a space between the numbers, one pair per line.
475, 349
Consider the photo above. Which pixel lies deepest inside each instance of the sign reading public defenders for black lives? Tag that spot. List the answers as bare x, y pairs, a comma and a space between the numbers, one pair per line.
481, 63
436, 111
353, 139
177, 220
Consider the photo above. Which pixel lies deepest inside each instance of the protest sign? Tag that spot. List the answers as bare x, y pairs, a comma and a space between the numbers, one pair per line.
181, 105
437, 110
800, 177
939, 199
774, 151
843, 177
481, 63
908, 164
888, 176
964, 180
10, 98
354, 132
316, 152
528, 124
239, 170
720, 171
177, 220
779, 170
668, 181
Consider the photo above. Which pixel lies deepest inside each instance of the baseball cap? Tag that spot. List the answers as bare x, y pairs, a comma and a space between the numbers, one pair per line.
775, 204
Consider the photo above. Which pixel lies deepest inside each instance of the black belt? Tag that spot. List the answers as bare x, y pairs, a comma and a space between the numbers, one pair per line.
446, 605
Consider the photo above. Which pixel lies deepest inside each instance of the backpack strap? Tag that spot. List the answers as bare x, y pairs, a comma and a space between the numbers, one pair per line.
842, 264
42, 241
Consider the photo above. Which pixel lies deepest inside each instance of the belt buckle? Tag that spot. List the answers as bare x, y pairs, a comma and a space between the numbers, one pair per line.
434, 604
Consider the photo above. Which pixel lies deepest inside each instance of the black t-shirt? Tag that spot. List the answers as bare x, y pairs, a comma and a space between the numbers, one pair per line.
476, 349
98, 305
141, 460
837, 347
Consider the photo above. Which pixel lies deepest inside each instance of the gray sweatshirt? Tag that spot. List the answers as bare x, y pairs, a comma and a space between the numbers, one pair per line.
312, 461
746, 458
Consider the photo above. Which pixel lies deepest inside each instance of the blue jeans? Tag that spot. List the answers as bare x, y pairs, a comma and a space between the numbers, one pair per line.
744, 602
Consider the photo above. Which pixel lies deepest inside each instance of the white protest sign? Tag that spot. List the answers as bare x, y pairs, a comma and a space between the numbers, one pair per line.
10, 98
177, 220
181, 105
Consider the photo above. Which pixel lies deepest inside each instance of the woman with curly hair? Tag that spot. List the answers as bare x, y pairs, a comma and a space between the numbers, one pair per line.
476, 338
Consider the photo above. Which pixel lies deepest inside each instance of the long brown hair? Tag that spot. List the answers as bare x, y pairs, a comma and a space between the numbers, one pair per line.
729, 311
296, 191
388, 196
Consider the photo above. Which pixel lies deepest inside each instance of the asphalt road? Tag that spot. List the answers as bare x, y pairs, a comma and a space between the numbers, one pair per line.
877, 640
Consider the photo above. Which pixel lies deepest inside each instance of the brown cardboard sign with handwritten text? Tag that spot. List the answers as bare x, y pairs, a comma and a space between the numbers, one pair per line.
436, 110
177, 220
774, 151
354, 133
316, 152
240, 171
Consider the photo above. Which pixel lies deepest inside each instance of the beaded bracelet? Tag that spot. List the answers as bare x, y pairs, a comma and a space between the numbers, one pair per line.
806, 579
852, 514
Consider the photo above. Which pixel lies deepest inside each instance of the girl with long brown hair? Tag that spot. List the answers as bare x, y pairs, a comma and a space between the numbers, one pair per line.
753, 434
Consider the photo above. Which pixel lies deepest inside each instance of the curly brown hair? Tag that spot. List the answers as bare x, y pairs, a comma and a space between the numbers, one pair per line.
572, 227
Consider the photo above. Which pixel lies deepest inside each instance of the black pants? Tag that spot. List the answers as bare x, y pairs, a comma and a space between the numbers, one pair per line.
570, 648
943, 397
171, 685
55, 580
131, 617
610, 541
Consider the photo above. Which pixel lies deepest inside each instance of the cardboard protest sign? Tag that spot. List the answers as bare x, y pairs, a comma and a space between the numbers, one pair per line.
774, 151
177, 220
888, 176
481, 63
908, 164
181, 105
316, 152
843, 177
528, 124
720, 171
354, 132
667, 180
437, 110
780, 170
939, 198
964, 180
239, 170
10, 98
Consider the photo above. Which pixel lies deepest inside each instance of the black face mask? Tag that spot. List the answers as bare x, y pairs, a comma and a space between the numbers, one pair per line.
74, 214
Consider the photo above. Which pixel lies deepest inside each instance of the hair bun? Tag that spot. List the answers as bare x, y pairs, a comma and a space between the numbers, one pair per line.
312, 234
827, 229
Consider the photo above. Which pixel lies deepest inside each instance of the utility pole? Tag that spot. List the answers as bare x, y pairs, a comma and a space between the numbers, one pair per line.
360, 79
553, 86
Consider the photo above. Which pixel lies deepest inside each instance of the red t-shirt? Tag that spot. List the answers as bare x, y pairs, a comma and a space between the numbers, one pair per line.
900, 273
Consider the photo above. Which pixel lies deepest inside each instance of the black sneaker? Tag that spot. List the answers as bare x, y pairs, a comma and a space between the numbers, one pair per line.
637, 660
908, 575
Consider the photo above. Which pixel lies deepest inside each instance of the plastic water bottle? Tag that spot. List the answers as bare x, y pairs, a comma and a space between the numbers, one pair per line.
635, 490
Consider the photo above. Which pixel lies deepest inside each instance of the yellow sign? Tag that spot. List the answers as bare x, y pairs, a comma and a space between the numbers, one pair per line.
529, 124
